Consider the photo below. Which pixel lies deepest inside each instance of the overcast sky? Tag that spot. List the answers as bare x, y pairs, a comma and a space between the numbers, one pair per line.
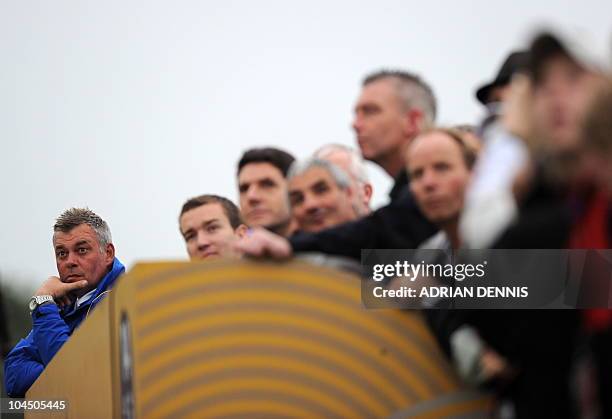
130, 107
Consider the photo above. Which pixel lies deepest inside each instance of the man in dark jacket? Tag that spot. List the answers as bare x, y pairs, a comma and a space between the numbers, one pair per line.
540, 344
393, 108
87, 269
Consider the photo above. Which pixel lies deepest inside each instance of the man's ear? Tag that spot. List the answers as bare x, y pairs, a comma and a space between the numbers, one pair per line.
414, 122
241, 230
367, 193
350, 192
109, 254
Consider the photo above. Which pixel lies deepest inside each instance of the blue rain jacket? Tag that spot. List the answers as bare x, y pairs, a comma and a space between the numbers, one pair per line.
51, 328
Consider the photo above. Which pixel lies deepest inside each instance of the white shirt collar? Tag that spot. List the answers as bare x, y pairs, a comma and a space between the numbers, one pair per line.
83, 299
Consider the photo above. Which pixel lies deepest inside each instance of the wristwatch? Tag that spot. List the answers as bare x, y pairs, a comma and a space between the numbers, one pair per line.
39, 300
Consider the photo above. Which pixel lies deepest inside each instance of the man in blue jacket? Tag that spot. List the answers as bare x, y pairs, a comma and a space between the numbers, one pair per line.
87, 269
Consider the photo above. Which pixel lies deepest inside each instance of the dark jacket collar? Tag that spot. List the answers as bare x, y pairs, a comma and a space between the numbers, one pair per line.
400, 185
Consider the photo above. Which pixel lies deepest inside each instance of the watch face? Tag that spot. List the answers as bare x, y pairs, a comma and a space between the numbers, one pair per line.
37, 300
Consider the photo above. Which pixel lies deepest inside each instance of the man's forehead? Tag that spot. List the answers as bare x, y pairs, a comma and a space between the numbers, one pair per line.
80, 233
310, 178
378, 92
435, 145
204, 214
254, 172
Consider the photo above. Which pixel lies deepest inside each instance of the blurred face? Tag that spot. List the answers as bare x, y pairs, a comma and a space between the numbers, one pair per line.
438, 176
317, 202
78, 256
499, 93
363, 191
560, 102
379, 122
208, 233
263, 195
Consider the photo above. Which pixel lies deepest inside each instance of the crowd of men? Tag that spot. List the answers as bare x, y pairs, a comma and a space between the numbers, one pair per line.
536, 173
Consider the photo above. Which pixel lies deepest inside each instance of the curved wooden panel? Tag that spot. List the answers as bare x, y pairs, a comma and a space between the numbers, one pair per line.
250, 339
276, 340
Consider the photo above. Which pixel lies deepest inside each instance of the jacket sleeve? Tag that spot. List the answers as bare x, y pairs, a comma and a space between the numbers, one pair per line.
49, 331
22, 367
31, 355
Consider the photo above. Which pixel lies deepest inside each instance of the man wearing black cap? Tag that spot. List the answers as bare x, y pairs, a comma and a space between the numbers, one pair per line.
538, 343
497, 89
489, 204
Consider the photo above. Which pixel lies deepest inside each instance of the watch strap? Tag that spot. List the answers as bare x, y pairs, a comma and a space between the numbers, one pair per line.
38, 300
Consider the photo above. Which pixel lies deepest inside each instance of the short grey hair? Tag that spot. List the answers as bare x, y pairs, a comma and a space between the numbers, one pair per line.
357, 167
74, 217
340, 177
412, 91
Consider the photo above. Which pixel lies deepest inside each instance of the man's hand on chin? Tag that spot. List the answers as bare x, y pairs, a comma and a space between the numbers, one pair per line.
62, 292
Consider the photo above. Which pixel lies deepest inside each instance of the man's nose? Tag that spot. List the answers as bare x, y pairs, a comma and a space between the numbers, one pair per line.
253, 194
311, 205
430, 181
202, 239
357, 124
72, 260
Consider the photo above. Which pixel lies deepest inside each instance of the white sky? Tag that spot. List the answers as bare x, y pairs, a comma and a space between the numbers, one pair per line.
130, 107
